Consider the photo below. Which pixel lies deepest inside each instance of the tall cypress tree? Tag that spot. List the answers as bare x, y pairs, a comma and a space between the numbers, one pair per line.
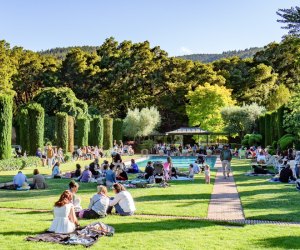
6, 107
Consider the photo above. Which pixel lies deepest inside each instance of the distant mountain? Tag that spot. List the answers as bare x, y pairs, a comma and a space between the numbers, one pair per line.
207, 58
62, 52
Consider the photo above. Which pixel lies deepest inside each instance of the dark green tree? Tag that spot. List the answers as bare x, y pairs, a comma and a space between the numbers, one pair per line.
290, 17
62, 131
107, 133
36, 117
6, 107
118, 129
83, 131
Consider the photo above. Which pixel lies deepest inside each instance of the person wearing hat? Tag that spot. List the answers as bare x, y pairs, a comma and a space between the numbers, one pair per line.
86, 175
226, 157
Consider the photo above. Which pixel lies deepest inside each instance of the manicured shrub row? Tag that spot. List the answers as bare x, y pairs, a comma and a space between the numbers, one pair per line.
6, 106
271, 126
19, 163
62, 132
107, 133
24, 129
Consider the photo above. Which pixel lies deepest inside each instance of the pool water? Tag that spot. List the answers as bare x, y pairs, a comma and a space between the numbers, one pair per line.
178, 161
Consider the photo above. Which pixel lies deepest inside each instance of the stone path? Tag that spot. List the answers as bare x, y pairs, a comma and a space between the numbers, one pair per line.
225, 203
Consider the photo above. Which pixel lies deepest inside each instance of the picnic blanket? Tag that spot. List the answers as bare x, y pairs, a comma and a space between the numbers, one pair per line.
276, 180
181, 178
86, 236
254, 174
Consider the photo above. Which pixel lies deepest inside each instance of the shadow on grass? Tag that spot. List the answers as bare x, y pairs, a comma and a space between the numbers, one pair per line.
293, 242
159, 225
166, 197
20, 233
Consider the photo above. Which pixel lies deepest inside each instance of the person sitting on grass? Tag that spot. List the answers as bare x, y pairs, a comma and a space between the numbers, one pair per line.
77, 172
149, 170
86, 175
110, 176
19, 180
134, 168
56, 171
123, 201
65, 220
38, 180
121, 175
261, 158
73, 188
98, 205
191, 171
286, 174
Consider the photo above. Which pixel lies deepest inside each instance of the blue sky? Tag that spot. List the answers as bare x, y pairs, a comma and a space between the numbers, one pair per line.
177, 26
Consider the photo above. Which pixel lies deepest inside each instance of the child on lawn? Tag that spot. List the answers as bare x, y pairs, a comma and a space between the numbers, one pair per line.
191, 172
207, 174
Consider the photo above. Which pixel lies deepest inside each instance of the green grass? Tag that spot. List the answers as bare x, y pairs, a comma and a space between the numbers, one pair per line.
265, 200
150, 233
261, 200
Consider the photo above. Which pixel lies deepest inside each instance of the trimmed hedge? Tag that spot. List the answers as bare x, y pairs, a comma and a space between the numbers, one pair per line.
286, 141
20, 163
118, 129
280, 130
62, 132
96, 131
6, 107
23, 129
268, 130
49, 128
36, 117
107, 133
83, 132
262, 128
252, 139
70, 134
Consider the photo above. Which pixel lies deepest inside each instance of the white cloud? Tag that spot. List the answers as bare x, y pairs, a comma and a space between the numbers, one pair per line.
185, 51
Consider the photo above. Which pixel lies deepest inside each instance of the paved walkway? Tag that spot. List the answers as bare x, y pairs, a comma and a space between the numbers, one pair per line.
225, 203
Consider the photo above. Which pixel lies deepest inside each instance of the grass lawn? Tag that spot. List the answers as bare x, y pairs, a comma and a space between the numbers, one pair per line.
7, 176
261, 200
265, 200
151, 233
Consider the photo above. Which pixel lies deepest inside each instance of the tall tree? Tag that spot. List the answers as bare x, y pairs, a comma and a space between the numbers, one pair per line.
205, 104
290, 17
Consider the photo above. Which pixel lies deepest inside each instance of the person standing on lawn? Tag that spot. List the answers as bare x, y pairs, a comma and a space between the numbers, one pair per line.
226, 157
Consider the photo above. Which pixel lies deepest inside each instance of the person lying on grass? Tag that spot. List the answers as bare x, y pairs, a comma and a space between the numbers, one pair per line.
98, 205
65, 220
123, 201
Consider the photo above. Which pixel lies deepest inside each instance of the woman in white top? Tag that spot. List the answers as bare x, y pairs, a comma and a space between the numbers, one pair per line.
123, 201
73, 187
65, 220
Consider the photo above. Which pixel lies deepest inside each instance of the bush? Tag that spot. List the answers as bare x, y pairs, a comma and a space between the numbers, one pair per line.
147, 144
62, 131
268, 130
286, 141
6, 107
107, 133
262, 127
36, 117
252, 139
20, 163
23, 129
68, 157
96, 131
70, 134
118, 130
83, 132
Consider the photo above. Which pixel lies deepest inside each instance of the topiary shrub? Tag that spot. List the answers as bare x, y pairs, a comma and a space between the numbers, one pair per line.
96, 131
268, 130
20, 163
118, 129
83, 131
286, 141
6, 107
252, 139
36, 117
107, 133
62, 132
71, 134
23, 129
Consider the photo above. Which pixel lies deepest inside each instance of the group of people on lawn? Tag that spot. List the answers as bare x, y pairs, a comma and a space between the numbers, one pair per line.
67, 210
